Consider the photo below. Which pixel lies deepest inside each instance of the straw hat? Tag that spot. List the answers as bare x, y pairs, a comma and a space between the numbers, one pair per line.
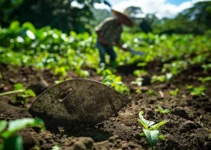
124, 18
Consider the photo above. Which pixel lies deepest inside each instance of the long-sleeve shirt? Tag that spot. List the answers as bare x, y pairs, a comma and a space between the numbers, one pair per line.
110, 30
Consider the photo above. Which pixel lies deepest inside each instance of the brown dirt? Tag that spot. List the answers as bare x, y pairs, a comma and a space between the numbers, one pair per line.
188, 127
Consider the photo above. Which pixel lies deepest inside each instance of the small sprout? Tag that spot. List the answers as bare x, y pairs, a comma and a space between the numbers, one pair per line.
151, 92
1, 75
206, 67
204, 80
196, 91
151, 130
138, 81
56, 147
22, 97
116, 82
162, 78
156, 78
138, 91
163, 111
139, 73
174, 92
22, 93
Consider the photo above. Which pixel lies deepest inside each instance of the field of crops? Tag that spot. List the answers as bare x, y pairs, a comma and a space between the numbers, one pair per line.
169, 89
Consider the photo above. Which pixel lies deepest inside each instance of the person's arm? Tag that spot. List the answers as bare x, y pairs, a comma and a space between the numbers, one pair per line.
120, 45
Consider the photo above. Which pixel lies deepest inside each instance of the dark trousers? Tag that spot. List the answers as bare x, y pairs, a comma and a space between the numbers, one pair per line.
106, 49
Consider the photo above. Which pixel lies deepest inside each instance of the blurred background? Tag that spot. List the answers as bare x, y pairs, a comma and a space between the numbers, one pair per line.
157, 16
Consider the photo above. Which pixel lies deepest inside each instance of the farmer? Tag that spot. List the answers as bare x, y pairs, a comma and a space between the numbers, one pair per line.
109, 34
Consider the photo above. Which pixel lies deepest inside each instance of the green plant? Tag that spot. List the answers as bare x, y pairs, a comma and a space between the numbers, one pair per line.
151, 130
56, 147
174, 92
162, 78
163, 111
138, 81
205, 79
196, 91
139, 73
8, 132
22, 93
151, 92
116, 82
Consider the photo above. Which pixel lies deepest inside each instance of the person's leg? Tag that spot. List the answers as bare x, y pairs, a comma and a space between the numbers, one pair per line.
101, 50
111, 53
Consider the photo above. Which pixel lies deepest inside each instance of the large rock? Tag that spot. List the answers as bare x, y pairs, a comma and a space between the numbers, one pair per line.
77, 101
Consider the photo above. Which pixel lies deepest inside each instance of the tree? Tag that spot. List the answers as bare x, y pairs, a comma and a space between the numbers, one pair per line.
58, 14
192, 20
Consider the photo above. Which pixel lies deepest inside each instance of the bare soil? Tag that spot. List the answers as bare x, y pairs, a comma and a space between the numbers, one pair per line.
188, 127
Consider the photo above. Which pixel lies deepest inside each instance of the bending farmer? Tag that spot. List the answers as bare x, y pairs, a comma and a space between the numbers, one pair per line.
109, 34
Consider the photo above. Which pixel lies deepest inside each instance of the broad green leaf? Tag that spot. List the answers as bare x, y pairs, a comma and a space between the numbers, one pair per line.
163, 111
30, 34
3, 125
152, 136
14, 25
13, 143
29, 92
142, 134
19, 124
56, 147
18, 86
158, 125
30, 26
161, 137
144, 122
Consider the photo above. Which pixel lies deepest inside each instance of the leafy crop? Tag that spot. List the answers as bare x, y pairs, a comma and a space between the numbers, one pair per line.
116, 82
139, 73
138, 81
205, 79
162, 78
22, 93
152, 93
163, 111
8, 132
151, 130
47, 48
196, 91
56, 147
174, 92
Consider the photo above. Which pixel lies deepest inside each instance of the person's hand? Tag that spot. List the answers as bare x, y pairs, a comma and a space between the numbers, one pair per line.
124, 48
119, 44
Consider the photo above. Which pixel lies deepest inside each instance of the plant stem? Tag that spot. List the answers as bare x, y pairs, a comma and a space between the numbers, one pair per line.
12, 92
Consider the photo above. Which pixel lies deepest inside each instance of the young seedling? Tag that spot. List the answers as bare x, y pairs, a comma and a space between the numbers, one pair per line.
116, 82
139, 73
204, 80
152, 93
138, 81
174, 92
56, 147
151, 130
162, 78
163, 111
196, 91
22, 93
8, 132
